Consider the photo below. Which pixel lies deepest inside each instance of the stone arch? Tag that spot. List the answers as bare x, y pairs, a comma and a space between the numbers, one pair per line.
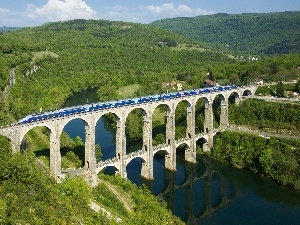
182, 148
109, 169
220, 111
234, 97
26, 128
203, 144
135, 168
247, 92
40, 147
161, 152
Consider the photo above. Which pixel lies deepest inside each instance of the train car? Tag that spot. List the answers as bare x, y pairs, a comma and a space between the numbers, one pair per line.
107, 105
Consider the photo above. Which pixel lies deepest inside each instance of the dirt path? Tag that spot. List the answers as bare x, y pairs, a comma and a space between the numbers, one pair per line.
261, 133
118, 195
94, 206
97, 207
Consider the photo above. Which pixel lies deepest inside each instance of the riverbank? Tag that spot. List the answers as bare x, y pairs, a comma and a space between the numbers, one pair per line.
274, 157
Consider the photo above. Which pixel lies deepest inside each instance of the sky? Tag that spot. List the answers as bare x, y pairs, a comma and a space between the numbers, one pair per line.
23, 13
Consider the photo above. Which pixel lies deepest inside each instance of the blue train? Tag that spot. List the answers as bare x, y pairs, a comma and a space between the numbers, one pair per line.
120, 103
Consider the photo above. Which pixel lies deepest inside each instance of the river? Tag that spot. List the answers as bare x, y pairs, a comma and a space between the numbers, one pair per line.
207, 192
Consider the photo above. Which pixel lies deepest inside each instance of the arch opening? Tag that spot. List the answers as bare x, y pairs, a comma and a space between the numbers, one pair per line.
234, 98
218, 102
200, 115
72, 144
181, 119
247, 93
109, 170
5, 144
134, 170
159, 123
105, 137
37, 140
135, 125
216, 197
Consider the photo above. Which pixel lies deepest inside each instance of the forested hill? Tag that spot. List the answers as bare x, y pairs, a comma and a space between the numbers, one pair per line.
250, 33
9, 28
54, 60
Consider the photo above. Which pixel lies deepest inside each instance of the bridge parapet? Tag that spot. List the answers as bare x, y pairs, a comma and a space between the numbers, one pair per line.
135, 154
182, 141
109, 162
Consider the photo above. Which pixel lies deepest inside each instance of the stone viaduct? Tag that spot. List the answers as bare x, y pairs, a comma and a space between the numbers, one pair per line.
56, 125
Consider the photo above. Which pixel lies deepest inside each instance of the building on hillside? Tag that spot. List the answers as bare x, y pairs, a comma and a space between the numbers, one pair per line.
172, 85
261, 82
210, 83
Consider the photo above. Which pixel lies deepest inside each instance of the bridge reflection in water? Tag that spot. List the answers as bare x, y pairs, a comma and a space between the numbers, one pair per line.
199, 195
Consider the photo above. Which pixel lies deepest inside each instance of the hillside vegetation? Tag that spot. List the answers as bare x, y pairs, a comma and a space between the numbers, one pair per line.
53, 61
247, 33
72, 56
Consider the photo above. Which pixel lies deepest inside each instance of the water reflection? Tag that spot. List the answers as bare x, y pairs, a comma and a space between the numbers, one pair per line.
200, 193
208, 192
212, 193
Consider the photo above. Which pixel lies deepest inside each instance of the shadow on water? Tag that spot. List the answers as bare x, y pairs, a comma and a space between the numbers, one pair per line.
211, 193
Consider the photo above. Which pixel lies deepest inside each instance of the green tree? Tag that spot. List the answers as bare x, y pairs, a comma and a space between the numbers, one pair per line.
279, 89
297, 87
3, 212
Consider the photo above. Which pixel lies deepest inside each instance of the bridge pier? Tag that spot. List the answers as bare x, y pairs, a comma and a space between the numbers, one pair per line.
208, 127
224, 114
170, 159
121, 147
208, 118
147, 167
55, 156
90, 155
190, 153
16, 142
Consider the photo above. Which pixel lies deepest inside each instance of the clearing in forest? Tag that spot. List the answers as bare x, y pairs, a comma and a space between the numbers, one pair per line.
41, 54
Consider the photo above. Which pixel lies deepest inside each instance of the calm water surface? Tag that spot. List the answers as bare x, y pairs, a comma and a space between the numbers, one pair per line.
207, 192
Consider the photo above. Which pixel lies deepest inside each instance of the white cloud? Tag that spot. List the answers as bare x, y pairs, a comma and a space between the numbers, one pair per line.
147, 14
60, 10
3, 11
169, 10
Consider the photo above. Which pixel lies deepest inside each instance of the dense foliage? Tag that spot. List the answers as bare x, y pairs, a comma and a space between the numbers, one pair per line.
276, 158
261, 114
55, 60
28, 196
242, 34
